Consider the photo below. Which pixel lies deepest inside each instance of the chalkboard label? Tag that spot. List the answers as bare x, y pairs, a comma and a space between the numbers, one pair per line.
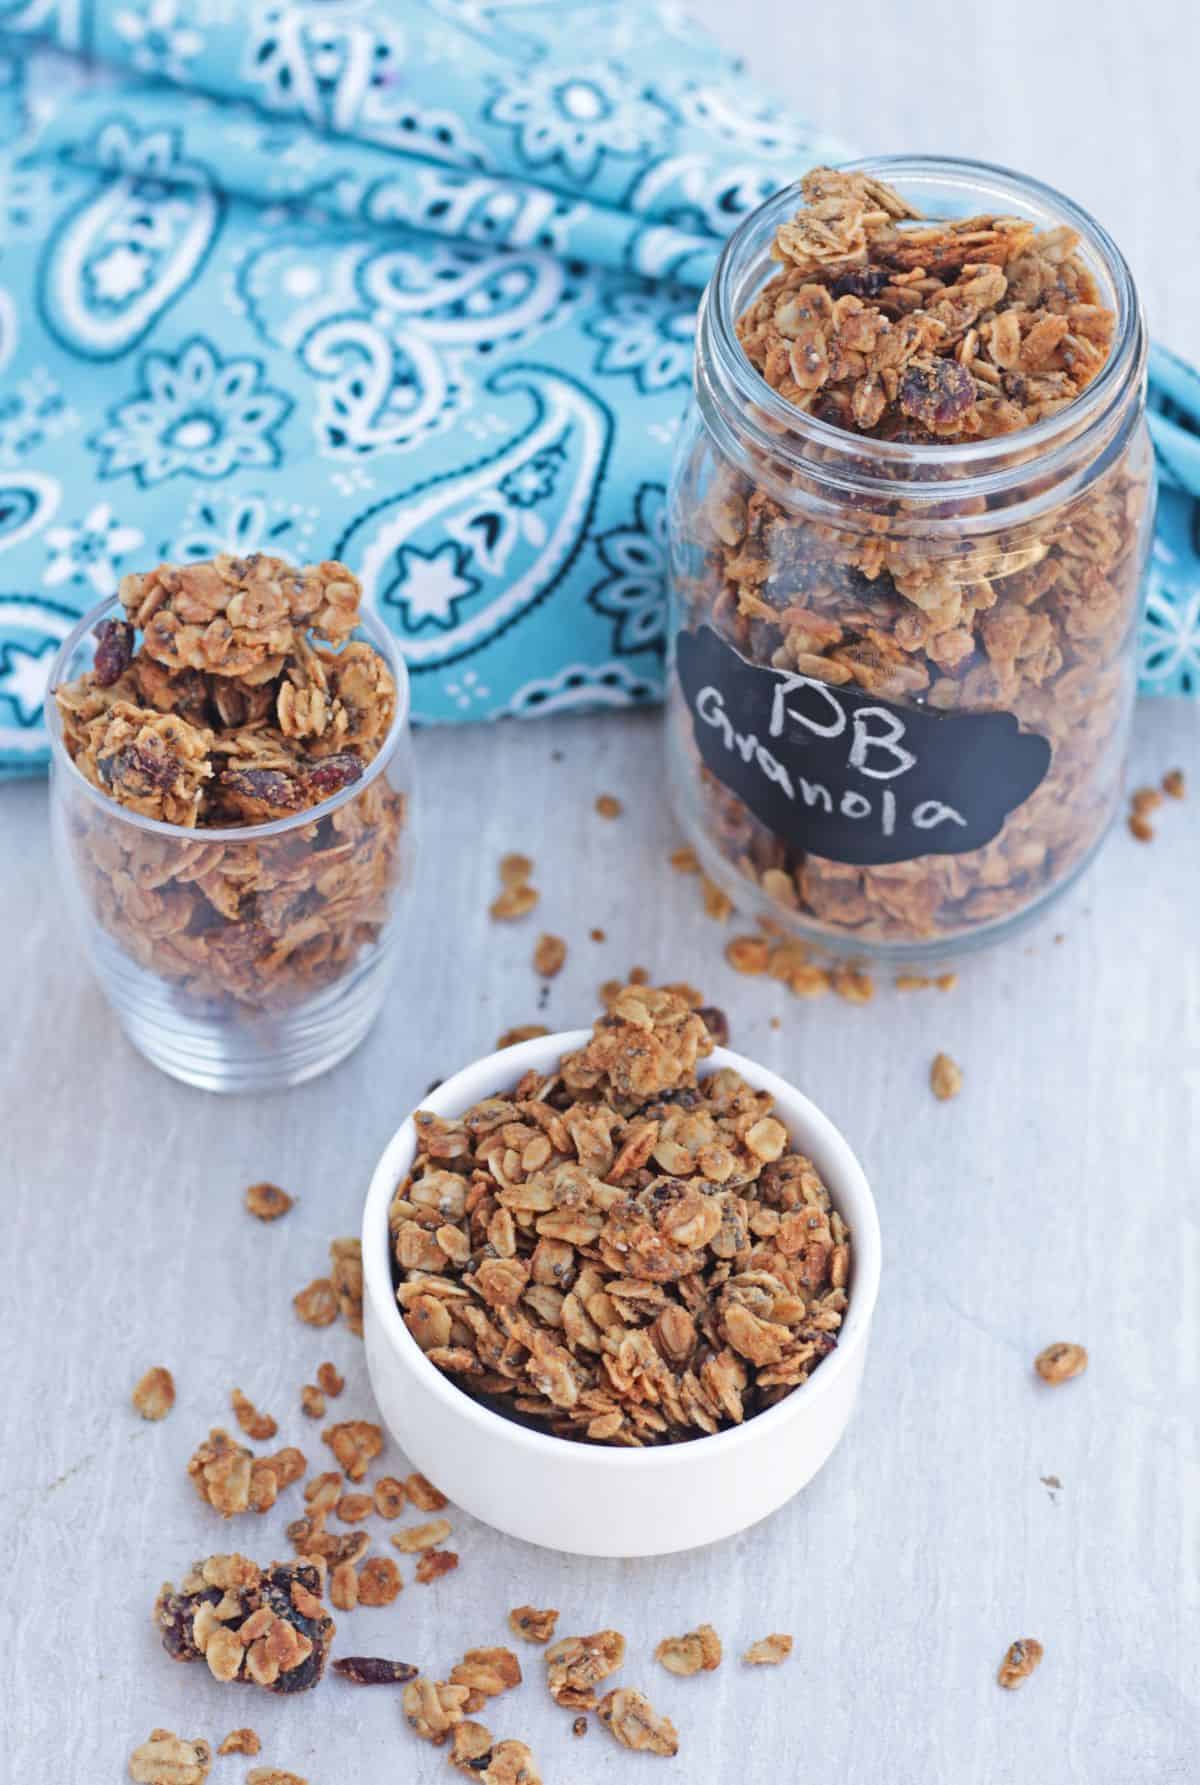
849, 776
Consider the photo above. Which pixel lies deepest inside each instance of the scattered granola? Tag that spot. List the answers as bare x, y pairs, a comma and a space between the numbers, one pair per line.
355, 1443
748, 954
272, 1775
390, 1496
317, 1305
233, 1480
1020, 1660
474, 1750
635, 1723
267, 1201
379, 1581
549, 955
576, 1664
330, 1380
487, 1672
343, 1586
609, 806
262, 1626
616, 1250
1058, 1363
432, 1709
228, 714
522, 1032
532, 1625
312, 1401
241, 1741
256, 1425
699, 1651
346, 1274
1174, 784
168, 1759
154, 1394
353, 1508
434, 1564
370, 1670
768, 1651
424, 1496
888, 327
945, 1077
419, 1537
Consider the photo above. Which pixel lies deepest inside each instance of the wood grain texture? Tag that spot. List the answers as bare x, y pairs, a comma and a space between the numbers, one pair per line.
1055, 1198
1100, 105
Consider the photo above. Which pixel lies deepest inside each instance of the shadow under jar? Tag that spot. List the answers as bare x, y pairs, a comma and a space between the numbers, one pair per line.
903, 663
239, 958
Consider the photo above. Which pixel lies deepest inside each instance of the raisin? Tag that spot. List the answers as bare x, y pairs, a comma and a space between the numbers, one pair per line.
937, 394
114, 651
331, 775
371, 1670
716, 1022
861, 282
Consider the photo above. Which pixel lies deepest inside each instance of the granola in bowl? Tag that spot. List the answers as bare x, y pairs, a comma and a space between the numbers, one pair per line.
619, 1250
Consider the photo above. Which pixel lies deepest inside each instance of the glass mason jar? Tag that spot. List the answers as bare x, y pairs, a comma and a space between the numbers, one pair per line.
905, 801
249, 957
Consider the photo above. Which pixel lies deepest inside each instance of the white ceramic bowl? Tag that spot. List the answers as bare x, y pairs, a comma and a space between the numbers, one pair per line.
591, 1499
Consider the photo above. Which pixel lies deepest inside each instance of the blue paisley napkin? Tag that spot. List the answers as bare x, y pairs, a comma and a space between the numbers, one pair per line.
408, 282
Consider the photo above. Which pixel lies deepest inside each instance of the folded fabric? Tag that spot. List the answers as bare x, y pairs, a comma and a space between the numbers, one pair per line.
408, 282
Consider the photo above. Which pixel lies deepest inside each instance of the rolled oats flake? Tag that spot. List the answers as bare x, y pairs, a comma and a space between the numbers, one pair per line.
1059, 1363
748, 954
532, 1625
945, 1078
434, 1564
273, 1775
241, 1741
1020, 1660
154, 1393
343, 1586
488, 1671
424, 1496
317, 1305
168, 1759
390, 1496
576, 1664
312, 1401
379, 1581
267, 1202
353, 1508
1140, 828
329, 1380
355, 1444
697, 1652
1174, 784
515, 870
421, 1537
256, 1425
633, 1721
549, 955
768, 1651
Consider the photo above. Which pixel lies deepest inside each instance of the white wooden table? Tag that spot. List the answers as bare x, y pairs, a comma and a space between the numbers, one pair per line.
1054, 1199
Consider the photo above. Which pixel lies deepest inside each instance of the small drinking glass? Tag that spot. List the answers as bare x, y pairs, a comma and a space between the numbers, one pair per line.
243, 958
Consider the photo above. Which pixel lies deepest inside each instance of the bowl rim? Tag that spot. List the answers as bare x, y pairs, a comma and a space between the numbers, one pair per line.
503, 1068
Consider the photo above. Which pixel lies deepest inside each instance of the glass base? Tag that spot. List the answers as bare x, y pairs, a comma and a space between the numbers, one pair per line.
232, 1048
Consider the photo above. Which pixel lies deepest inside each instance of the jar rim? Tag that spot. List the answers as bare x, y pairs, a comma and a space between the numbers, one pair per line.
728, 380
380, 639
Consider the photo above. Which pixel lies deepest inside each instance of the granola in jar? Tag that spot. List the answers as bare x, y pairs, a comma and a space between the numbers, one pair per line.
911, 512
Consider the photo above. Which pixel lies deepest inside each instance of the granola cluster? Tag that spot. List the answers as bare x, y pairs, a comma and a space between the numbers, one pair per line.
924, 333
245, 701
617, 1250
258, 1626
